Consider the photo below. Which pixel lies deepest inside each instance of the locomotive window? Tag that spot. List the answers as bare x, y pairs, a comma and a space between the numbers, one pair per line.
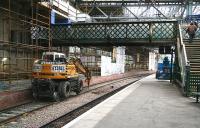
56, 56
62, 56
48, 58
60, 60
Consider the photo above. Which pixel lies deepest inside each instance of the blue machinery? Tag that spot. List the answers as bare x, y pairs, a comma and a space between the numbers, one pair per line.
164, 70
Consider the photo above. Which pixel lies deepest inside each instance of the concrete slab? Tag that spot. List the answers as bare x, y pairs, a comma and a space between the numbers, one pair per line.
149, 103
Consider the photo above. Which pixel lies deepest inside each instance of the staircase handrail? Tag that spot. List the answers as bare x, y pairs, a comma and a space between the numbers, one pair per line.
182, 57
183, 45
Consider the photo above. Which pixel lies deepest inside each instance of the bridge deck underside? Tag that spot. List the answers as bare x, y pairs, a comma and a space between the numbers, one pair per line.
112, 42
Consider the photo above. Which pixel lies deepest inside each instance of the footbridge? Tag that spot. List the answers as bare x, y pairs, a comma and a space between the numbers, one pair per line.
116, 33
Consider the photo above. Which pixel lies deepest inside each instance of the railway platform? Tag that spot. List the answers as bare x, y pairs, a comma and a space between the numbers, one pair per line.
147, 103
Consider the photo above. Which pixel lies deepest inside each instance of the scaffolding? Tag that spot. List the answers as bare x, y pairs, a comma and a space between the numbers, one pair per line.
20, 45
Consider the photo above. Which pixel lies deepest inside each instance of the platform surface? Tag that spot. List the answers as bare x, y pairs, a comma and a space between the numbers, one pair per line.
148, 103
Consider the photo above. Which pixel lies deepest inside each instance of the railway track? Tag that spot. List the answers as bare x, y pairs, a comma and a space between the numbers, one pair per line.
12, 115
61, 121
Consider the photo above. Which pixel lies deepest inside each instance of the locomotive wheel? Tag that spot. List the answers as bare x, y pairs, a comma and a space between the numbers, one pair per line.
79, 87
56, 96
34, 93
35, 96
64, 89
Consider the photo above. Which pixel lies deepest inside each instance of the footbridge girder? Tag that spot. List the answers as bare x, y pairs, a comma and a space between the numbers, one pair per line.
136, 33
116, 33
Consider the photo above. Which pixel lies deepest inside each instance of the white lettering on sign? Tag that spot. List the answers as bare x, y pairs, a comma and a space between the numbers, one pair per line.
58, 68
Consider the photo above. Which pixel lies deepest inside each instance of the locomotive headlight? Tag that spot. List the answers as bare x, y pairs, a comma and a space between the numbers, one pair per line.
37, 68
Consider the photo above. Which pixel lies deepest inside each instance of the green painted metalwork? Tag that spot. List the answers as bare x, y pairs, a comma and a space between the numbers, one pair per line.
163, 31
128, 32
187, 80
194, 82
189, 7
39, 32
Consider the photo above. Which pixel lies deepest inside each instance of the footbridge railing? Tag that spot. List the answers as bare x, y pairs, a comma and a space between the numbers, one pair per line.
183, 71
116, 33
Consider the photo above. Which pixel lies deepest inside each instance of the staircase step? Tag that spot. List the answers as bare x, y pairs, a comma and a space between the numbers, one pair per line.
193, 43
192, 67
193, 58
194, 61
195, 72
194, 64
195, 39
197, 59
193, 54
192, 48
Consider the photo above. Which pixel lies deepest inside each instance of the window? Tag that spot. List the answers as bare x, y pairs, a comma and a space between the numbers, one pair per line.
48, 58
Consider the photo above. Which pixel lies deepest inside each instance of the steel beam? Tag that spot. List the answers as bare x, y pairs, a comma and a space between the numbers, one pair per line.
189, 7
102, 12
131, 1
159, 10
123, 17
130, 12
129, 5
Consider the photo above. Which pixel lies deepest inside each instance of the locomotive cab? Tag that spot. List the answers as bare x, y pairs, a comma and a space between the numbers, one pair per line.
54, 57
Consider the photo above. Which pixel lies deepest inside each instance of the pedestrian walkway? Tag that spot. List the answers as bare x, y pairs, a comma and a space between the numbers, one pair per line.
148, 103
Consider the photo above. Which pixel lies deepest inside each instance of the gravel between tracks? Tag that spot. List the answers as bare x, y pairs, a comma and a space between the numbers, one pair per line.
47, 114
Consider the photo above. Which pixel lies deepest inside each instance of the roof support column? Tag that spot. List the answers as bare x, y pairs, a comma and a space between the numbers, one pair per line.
189, 7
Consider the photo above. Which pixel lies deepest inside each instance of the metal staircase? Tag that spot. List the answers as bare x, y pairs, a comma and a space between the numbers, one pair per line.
193, 55
187, 63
